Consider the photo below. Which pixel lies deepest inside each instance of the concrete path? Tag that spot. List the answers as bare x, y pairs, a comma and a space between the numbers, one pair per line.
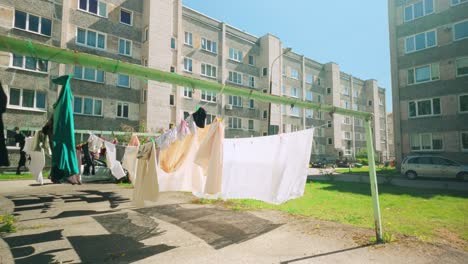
97, 224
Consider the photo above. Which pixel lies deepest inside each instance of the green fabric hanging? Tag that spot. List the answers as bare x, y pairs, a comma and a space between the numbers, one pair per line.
64, 161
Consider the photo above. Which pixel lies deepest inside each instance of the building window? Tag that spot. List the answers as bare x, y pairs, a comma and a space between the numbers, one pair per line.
32, 23
235, 55
309, 113
208, 96
126, 16
319, 98
187, 64
345, 90
24, 98
369, 103
328, 90
125, 47
427, 107
295, 74
421, 41
87, 106
423, 74
208, 70
457, 2
187, 92
463, 103
355, 93
309, 78
122, 110
234, 123
89, 38
330, 141
251, 103
89, 74
462, 66
96, 7
464, 141
354, 107
309, 95
145, 96
381, 101
329, 123
188, 39
209, 119
235, 100
347, 121
172, 69
171, 100
251, 60
460, 30
265, 114
173, 43
29, 63
294, 92
209, 45
347, 135
146, 35
123, 80
235, 77
426, 142
186, 115
346, 104
251, 124
265, 71
419, 9
251, 81
319, 115
295, 111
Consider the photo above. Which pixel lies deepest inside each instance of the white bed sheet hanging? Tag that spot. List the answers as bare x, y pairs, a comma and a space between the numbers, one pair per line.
272, 169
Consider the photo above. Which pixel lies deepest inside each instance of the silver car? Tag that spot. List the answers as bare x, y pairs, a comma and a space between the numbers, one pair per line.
433, 166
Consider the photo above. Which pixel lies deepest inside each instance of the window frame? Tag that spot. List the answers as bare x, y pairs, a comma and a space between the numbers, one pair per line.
129, 80
23, 67
235, 101
98, 8
459, 2
251, 59
214, 45
239, 77
251, 81
237, 55
420, 139
94, 105
213, 68
86, 39
311, 80
187, 93
295, 111
456, 66
414, 76
459, 104
417, 107
39, 26
296, 73
126, 41
453, 30
20, 106
251, 121
82, 77
296, 94
205, 94
412, 11
188, 62
237, 120
425, 41
461, 141
122, 104
131, 17
188, 39
251, 104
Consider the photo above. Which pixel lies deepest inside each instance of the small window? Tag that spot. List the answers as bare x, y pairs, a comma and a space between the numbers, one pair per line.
234, 123
208, 70
421, 41
251, 124
265, 71
295, 74
96, 7
251, 60
265, 114
369, 103
87, 106
294, 92
35, 24
235, 100
463, 103
251, 81
173, 43
309, 95
171, 99
251, 103
235, 77
187, 92
328, 90
464, 141
208, 96
330, 141
329, 123
188, 39
462, 66
123, 80
29, 63
146, 35
209, 45
89, 38
172, 69
188, 64
88, 74
25, 98
125, 47
460, 30
309, 78
235, 55
126, 17
122, 110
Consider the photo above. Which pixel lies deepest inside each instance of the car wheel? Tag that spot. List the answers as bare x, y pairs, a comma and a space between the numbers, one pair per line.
462, 176
411, 175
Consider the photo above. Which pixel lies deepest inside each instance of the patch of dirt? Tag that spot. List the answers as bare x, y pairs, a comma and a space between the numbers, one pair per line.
445, 236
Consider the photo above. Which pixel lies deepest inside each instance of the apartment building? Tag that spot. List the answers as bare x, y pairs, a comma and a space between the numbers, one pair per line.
429, 59
165, 35
390, 136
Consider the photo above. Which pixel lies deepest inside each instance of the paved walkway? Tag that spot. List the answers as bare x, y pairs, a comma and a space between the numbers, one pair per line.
97, 224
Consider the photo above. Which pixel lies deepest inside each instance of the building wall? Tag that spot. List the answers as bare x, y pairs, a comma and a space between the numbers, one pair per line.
449, 125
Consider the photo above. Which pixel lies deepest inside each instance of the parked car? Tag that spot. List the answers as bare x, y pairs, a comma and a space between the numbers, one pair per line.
433, 166
324, 163
343, 163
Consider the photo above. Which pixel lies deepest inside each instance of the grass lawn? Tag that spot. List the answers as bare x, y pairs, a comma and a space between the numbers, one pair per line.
24, 176
365, 169
430, 215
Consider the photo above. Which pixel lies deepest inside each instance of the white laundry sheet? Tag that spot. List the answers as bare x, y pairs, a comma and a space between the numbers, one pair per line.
129, 162
37, 160
272, 169
112, 163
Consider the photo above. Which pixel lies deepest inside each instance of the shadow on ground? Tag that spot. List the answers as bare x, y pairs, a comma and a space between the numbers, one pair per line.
216, 226
364, 189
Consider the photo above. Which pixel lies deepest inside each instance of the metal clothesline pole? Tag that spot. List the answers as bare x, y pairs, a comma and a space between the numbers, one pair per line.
64, 56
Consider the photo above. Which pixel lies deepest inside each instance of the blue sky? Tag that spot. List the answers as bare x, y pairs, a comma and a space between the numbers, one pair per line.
353, 34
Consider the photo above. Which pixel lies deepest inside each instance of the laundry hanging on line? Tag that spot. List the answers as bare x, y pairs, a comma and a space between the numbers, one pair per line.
37, 162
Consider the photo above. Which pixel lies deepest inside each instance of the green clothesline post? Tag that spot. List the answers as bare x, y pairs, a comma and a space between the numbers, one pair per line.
70, 57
